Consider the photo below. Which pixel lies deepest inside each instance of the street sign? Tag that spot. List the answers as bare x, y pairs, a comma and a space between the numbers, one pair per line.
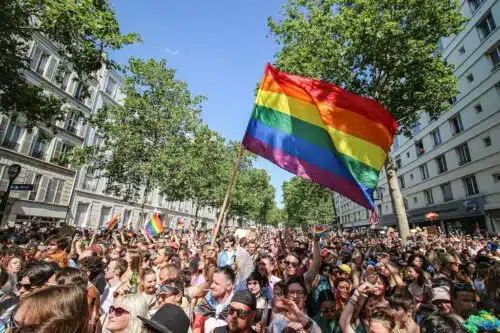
21, 187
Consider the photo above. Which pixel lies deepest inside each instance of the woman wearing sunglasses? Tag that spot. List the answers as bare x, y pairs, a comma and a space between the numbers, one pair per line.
122, 315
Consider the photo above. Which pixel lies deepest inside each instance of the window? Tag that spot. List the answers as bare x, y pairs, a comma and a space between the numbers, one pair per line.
111, 87
452, 100
60, 154
441, 164
495, 57
463, 154
401, 180
461, 50
395, 142
447, 192
73, 122
456, 124
80, 91
12, 136
4, 177
486, 26
475, 4
39, 60
39, 148
470, 78
62, 77
415, 200
398, 162
411, 176
405, 201
429, 199
496, 177
487, 141
54, 190
424, 172
36, 185
408, 154
415, 128
470, 185
478, 108
436, 137
419, 148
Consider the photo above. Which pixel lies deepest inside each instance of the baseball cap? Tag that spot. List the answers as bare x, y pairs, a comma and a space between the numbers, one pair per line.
169, 318
245, 297
345, 268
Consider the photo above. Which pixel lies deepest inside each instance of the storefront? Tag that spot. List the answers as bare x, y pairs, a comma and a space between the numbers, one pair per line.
460, 215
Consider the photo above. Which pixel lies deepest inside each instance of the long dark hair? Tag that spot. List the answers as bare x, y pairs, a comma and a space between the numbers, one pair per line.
421, 275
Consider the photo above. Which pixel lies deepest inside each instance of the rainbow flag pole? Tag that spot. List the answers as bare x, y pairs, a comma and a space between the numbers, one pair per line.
154, 226
319, 132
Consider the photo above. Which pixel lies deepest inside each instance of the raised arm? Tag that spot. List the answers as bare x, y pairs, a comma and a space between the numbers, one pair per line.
313, 270
353, 307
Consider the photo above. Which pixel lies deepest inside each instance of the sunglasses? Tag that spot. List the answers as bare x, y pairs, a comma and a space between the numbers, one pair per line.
118, 311
292, 263
24, 286
242, 314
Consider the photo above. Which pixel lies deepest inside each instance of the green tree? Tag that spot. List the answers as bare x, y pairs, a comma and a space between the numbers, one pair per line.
83, 30
307, 203
383, 49
145, 140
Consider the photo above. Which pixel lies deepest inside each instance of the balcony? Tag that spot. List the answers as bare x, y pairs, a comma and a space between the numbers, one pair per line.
39, 155
10, 144
62, 160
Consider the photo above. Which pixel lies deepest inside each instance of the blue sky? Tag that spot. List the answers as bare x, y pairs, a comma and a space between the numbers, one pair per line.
219, 48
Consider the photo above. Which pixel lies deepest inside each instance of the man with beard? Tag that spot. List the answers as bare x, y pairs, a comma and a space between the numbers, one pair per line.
240, 313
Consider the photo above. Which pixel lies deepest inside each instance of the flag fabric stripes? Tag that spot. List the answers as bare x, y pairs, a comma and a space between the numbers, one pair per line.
321, 132
154, 226
320, 230
113, 223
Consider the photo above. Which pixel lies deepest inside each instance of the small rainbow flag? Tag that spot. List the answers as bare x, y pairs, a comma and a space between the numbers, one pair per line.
321, 132
154, 226
319, 230
113, 223
180, 224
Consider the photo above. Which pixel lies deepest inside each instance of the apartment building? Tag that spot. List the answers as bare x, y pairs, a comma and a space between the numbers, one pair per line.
451, 166
60, 192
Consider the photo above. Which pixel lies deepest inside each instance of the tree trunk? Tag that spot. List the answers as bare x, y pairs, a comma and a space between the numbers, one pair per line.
397, 200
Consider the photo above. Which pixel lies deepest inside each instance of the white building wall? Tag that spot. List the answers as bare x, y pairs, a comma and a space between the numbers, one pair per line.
470, 55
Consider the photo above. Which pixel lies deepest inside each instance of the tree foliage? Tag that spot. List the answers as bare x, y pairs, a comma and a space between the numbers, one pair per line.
307, 203
83, 30
145, 140
383, 49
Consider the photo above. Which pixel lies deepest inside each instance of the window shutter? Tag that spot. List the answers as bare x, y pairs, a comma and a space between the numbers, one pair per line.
51, 68
4, 121
51, 191
30, 176
36, 57
42, 190
56, 153
26, 145
59, 192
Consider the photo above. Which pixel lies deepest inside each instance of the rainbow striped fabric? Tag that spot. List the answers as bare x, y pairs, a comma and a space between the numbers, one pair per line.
154, 226
321, 132
319, 230
115, 220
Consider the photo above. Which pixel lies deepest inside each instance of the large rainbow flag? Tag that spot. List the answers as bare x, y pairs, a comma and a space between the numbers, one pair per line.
154, 226
114, 221
321, 132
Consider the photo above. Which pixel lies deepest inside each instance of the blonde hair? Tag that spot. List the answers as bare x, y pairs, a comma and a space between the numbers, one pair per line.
55, 309
136, 305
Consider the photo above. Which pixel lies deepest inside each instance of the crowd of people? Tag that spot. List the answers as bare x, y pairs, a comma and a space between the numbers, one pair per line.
272, 280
